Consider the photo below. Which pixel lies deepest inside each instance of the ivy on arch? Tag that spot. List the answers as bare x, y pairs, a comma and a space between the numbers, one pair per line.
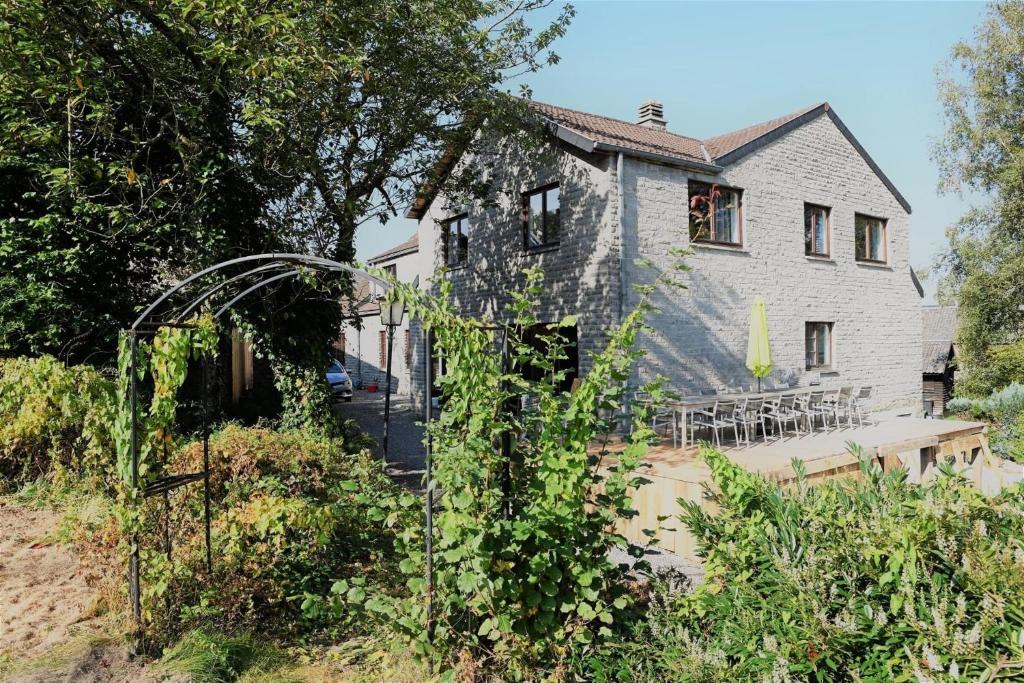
153, 360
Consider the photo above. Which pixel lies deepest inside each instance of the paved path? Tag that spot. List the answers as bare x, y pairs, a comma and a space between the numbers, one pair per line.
406, 453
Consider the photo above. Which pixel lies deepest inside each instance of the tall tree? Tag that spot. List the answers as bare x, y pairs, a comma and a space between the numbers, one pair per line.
982, 92
140, 139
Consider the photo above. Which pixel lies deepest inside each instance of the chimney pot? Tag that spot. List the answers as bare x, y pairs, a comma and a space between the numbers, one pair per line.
652, 114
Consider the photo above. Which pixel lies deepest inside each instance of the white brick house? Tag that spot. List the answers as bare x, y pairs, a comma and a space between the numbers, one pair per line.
362, 344
804, 218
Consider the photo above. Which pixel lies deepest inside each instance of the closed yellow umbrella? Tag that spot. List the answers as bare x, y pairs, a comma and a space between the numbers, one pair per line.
759, 353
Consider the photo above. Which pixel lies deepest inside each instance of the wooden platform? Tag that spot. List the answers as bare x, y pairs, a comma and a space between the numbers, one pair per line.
916, 444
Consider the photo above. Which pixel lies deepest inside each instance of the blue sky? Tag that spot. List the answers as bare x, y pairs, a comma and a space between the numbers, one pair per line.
721, 66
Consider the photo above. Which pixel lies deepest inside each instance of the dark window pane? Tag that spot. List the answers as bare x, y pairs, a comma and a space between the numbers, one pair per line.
453, 239
535, 231
808, 230
861, 238
552, 217
700, 221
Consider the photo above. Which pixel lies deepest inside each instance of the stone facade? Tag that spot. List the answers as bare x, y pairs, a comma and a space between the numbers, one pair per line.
700, 336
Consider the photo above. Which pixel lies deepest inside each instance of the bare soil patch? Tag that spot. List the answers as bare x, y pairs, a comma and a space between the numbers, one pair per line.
49, 630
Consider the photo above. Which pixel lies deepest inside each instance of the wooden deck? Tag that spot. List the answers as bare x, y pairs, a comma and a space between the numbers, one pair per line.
915, 444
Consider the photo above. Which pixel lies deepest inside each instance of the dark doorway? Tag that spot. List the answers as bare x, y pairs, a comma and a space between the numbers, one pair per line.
535, 337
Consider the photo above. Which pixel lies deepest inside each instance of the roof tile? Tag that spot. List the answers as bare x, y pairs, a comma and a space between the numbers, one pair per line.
622, 133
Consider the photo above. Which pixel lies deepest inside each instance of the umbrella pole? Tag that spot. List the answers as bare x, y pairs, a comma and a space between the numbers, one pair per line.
759, 385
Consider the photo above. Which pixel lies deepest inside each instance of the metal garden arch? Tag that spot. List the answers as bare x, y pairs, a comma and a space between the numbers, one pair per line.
172, 309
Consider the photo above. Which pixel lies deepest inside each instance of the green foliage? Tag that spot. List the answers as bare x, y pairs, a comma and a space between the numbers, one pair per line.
143, 140
214, 657
876, 579
293, 512
306, 401
521, 563
1004, 410
53, 420
983, 151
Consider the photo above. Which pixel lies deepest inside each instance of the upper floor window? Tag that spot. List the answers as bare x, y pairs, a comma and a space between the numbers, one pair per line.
818, 344
871, 238
541, 217
816, 230
715, 214
456, 241
392, 270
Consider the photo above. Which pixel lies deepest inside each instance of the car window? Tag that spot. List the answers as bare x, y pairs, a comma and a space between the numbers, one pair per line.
335, 366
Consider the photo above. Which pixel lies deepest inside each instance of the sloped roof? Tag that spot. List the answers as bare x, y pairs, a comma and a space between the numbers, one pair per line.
720, 145
592, 132
611, 131
362, 301
939, 323
938, 334
410, 246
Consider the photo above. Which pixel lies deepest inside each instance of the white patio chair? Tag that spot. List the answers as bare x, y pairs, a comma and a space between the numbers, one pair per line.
858, 403
725, 417
750, 416
810, 406
838, 404
783, 413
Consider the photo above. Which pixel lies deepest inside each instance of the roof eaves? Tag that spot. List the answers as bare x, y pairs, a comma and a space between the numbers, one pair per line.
917, 282
392, 254
572, 137
709, 168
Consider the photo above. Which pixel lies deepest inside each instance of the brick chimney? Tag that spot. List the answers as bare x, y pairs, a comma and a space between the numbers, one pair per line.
652, 115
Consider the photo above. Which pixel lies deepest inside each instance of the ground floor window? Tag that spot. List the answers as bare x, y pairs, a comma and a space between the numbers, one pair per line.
818, 338
536, 337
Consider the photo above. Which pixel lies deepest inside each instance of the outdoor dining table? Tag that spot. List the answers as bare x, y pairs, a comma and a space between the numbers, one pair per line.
683, 406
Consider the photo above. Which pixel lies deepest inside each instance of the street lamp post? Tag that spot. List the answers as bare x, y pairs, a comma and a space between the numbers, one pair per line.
391, 313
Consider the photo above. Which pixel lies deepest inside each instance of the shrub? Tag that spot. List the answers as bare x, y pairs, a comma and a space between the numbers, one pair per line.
292, 513
54, 419
521, 556
849, 580
1005, 410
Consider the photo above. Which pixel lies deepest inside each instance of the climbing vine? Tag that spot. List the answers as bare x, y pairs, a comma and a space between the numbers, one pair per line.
521, 555
165, 362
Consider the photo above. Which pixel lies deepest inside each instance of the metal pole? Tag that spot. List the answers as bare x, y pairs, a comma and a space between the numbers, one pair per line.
206, 464
428, 382
387, 391
134, 561
506, 435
